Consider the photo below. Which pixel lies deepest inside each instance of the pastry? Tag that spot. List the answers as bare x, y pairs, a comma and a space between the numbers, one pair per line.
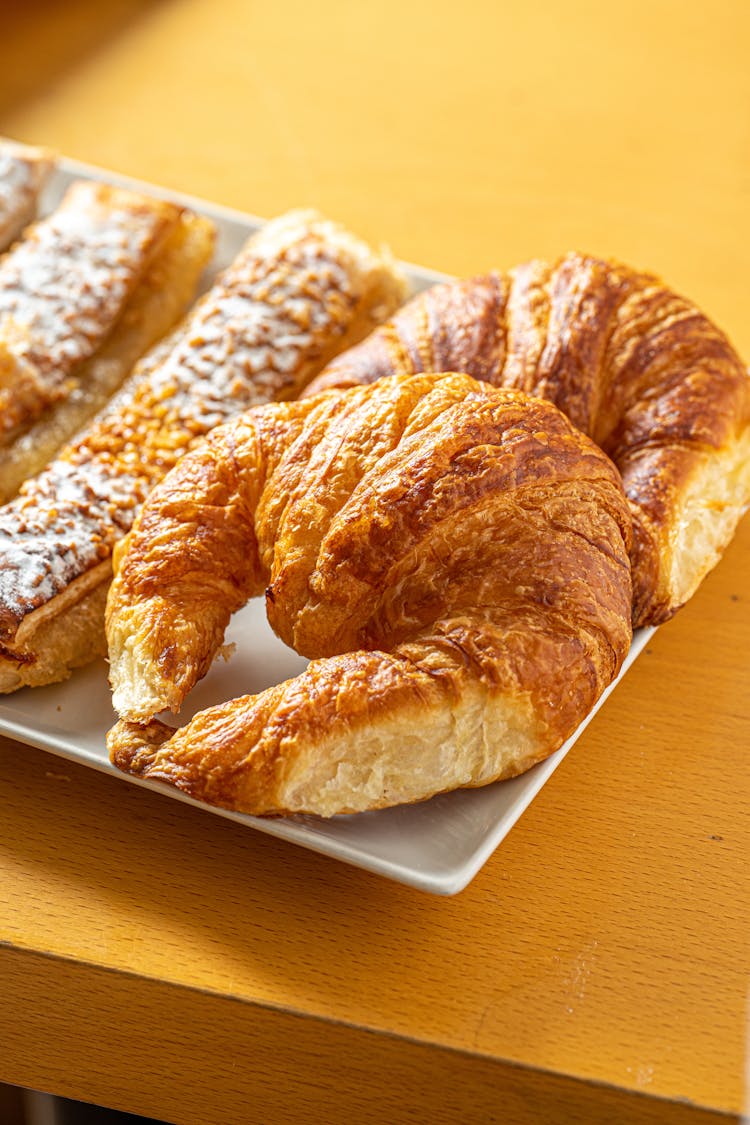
161, 296
639, 369
301, 289
23, 173
64, 288
453, 557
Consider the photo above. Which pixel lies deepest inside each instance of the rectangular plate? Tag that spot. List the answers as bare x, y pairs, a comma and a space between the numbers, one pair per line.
436, 846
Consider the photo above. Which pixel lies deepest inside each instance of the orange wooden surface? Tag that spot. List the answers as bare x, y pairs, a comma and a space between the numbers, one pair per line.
597, 968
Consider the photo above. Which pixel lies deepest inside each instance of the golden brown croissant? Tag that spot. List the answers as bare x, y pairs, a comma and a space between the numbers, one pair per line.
23, 172
301, 288
639, 369
454, 556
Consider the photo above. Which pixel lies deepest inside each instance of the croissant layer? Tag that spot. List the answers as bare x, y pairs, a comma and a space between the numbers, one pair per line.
635, 366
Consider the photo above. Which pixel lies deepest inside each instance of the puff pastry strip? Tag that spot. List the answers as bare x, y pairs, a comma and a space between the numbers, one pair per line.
23, 173
159, 299
301, 289
63, 288
638, 368
454, 557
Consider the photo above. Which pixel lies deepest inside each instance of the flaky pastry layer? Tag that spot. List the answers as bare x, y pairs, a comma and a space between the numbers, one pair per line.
452, 556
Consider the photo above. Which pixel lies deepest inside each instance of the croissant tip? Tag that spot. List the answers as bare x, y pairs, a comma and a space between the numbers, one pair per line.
133, 747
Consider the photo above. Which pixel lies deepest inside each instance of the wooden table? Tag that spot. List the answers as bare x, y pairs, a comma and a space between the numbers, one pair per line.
159, 959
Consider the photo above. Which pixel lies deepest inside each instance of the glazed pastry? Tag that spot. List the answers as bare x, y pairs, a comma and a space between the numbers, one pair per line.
23, 173
452, 556
301, 289
639, 369
161, 296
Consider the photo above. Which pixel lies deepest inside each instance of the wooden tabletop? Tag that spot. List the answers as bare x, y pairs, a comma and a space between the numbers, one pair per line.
156, 958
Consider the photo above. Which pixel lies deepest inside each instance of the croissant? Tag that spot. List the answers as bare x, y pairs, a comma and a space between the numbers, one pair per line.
639, 369
301, 288
453, 556
23, 173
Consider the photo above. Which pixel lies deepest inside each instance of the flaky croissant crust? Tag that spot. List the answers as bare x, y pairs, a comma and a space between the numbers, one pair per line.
454, 558
638, 368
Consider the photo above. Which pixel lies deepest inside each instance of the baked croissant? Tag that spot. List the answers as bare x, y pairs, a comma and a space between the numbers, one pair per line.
453, 556
639, 369
300, 289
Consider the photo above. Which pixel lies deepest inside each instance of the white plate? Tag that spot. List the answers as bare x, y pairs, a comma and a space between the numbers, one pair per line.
436, 846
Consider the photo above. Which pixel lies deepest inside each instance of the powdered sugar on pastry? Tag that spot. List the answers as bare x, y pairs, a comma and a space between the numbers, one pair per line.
16, 184
65, 524
62, 289
246, 343
22, 173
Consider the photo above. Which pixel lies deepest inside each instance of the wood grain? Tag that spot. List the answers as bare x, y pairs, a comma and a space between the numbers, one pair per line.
330, 1072
159, 959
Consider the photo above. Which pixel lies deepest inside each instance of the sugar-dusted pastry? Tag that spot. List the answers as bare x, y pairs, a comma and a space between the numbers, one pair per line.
301, 289
162, 295
453, 557
64, 288
24, 170
639, 369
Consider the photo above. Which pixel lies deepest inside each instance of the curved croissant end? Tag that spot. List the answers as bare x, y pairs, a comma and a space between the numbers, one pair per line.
454, 557
639, 369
